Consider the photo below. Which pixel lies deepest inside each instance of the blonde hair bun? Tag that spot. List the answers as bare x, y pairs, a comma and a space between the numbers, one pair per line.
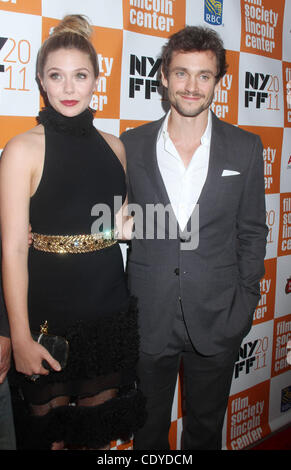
73, 32
77, 24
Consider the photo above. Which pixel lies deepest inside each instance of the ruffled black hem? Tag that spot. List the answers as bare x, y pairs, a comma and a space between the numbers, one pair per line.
80, 426
102, 356
109, 345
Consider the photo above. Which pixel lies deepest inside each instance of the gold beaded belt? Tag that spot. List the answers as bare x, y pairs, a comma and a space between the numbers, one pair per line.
73, 243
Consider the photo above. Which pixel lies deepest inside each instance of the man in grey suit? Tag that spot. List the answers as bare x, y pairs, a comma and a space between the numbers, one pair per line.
195, 303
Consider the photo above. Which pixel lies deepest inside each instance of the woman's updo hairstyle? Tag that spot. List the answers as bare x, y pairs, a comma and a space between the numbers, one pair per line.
73, 32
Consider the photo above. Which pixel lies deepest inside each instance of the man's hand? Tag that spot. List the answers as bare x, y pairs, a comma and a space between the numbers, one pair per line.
5, 353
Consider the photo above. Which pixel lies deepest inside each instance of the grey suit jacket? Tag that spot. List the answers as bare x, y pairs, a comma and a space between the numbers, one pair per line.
218, 282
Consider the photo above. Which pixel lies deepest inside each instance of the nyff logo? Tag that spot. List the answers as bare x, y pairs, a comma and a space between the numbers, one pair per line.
146, 68
254, 89
246, 358
213, 12
2, 42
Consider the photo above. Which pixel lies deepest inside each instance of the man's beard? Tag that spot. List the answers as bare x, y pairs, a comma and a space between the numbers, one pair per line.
183, 111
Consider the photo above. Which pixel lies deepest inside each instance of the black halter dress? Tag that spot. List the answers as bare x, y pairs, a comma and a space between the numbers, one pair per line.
82, 296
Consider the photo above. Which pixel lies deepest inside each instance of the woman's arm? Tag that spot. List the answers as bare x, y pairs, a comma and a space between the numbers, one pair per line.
17, 173
123, 222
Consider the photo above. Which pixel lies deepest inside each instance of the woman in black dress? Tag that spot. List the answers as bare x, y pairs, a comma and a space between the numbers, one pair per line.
52, 176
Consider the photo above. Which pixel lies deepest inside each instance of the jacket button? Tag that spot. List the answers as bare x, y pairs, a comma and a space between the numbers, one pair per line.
177, 271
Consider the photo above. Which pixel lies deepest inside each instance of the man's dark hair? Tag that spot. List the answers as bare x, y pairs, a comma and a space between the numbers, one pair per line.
195, 38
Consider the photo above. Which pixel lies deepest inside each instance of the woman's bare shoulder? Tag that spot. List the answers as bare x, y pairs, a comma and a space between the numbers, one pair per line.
27, 144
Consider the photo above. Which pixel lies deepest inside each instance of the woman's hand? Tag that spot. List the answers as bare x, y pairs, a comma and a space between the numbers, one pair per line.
124, 223
5, 350
29, 356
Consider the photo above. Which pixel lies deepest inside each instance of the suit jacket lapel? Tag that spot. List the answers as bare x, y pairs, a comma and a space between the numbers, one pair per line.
151, 163
152, 168
153, 171
217, 158
216, 161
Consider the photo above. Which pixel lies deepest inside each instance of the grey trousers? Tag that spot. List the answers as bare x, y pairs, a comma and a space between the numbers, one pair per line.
207, 382
7, 433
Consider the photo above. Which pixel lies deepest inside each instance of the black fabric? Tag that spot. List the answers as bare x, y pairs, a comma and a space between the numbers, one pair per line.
80, 125
80, 426
80, 171
83, 297
102, 355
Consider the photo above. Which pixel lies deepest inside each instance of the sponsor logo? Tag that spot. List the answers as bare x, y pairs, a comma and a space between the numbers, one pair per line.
18, 58
221, 98
265, 285
152, 14
213, 12
282, 334
252, 356
143, 76
154, 17
22, 6
247, 416
265, 307
286, 399
261, 27
256, 89
269, 155
272, 139
286, 225
225, 102
271, 222
100, 98
246, 419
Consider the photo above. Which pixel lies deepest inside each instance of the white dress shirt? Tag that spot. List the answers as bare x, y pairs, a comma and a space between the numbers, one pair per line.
183, 185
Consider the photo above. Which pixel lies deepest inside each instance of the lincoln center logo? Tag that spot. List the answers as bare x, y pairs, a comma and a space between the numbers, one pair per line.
213, 12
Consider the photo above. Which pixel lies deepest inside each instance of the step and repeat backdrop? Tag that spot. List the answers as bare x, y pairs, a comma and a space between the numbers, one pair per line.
128, 36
